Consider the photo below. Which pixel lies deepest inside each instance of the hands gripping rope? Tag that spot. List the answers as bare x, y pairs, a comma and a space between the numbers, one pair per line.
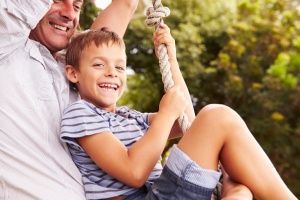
154, 19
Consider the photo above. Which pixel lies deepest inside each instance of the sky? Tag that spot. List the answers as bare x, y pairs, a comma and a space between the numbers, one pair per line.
102, 3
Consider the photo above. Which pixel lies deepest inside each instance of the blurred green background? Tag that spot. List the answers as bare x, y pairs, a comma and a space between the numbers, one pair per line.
241, 53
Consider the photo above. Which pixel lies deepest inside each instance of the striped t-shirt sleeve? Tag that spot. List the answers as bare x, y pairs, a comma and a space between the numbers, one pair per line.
80, 120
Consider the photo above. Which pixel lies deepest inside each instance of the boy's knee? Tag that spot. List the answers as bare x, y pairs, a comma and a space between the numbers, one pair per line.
219, 114
215, 110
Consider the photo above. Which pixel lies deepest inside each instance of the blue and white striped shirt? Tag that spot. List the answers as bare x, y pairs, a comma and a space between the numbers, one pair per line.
82, 119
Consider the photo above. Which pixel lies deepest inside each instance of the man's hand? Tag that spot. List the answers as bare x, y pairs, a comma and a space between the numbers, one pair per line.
234, 191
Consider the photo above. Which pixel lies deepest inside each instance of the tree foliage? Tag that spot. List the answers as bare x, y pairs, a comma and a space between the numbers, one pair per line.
259, 72
88, 13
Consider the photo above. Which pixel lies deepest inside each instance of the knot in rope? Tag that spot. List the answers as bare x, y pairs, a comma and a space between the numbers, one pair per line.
154, 19
156, 13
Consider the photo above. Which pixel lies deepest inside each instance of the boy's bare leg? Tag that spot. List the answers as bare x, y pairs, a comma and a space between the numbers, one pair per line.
219, 133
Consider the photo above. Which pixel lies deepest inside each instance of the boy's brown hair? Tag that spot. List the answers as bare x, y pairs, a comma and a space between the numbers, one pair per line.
99, 37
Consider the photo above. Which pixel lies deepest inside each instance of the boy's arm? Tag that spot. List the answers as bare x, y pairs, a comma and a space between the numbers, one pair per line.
116, 16
164, 35
133, 166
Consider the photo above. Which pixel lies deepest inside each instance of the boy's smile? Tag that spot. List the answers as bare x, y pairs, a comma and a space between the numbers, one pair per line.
101, 78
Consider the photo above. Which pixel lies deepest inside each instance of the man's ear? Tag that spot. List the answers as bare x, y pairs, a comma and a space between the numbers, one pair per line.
71, 73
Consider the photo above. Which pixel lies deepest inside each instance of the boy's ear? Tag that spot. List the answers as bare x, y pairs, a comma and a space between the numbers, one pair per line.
71, 73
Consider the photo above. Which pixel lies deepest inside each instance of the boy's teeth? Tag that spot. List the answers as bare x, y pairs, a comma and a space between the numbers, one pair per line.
109, 86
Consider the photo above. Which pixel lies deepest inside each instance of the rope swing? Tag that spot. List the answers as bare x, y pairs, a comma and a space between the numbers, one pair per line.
154, 19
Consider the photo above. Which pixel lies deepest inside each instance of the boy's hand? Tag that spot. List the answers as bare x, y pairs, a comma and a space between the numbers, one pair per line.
173, 102
163, 36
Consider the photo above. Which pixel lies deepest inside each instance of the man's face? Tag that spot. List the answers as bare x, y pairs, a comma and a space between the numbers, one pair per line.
58, 25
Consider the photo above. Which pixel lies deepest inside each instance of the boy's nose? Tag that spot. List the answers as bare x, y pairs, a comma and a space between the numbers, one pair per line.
111, 71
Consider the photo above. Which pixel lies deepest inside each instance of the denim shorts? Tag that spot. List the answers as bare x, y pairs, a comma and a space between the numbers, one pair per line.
181, 179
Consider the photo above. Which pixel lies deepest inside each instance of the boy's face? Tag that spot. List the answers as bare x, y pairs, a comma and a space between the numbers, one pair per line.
101, 78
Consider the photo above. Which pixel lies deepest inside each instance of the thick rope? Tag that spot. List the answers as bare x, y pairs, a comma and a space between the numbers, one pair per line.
154, 19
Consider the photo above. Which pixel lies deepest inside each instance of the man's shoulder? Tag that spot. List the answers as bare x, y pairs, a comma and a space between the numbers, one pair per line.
60, 57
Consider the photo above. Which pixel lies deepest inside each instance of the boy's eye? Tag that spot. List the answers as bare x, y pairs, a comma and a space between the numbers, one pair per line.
98, 65
120, 68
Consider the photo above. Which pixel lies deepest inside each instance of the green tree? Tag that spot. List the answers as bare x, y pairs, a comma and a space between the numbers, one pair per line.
258, 69
88, 13
193, 30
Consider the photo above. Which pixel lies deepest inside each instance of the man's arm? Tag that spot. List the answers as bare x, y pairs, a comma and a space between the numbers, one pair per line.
17, 18
116, 16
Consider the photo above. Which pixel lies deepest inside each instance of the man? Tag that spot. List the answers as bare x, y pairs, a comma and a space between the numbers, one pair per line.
34, 163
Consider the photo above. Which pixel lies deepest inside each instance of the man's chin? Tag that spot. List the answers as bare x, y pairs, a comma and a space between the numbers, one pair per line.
58, 46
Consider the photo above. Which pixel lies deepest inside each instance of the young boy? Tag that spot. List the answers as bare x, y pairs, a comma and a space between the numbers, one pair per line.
118, 150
